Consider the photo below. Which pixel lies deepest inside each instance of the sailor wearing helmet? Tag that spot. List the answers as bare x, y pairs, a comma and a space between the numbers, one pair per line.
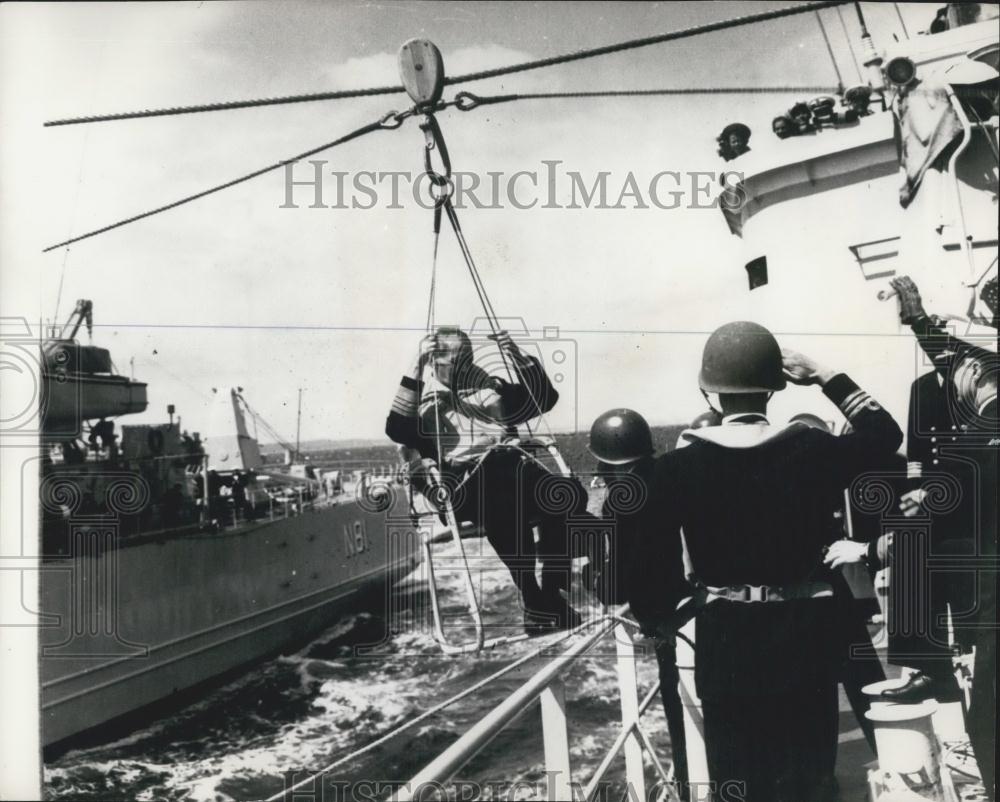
753, 502
622, 443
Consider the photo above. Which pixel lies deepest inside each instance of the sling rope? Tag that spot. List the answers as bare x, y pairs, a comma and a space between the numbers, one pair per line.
565, 58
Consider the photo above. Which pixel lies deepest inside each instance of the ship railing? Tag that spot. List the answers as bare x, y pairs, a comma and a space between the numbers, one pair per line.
548, 688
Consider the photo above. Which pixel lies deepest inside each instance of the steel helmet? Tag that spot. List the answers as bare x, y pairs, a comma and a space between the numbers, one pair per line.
705, 419
810, 420
741, 357
620, 436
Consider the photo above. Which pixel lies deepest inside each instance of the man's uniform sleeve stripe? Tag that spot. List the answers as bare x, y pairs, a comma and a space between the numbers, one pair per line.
854, 403
407, 396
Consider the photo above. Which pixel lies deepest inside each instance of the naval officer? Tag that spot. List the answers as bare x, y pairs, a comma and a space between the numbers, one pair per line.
752, 503
498, 488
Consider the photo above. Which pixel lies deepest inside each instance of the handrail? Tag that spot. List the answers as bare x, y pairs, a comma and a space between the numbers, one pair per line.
546, 685
451, 760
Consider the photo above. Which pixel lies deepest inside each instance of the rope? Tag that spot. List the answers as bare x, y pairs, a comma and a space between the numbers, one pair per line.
430, 712
619, 47
227, 105
491, 314
62, 277
434, 261
632, 44
723, 90
829, 50
477, 282
365, 129
854, 56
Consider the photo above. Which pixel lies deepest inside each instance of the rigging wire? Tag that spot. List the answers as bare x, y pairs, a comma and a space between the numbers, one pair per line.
847, 36
62, 277
267, 427
383, 123
633, 44
829, 49
465, 101
899, 14
577, 55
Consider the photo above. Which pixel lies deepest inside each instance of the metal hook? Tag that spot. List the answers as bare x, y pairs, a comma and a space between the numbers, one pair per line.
434, 140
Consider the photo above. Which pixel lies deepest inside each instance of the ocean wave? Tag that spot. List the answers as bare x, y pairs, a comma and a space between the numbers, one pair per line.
355, 682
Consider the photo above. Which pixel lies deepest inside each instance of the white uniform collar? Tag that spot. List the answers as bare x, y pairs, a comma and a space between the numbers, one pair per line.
745, 430
743, 418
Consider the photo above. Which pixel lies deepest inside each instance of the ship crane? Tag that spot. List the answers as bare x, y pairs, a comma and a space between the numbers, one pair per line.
82, 314
259, 419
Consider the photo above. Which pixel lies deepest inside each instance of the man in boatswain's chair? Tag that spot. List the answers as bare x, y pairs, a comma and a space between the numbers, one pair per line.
498, 487
753, 502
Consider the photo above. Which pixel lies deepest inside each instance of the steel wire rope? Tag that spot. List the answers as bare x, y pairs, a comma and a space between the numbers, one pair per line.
381, 124
577, 55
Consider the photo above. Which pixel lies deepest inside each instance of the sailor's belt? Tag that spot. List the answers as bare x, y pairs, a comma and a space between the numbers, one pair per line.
771, 593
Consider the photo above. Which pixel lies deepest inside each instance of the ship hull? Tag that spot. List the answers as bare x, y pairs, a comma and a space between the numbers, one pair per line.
133, 624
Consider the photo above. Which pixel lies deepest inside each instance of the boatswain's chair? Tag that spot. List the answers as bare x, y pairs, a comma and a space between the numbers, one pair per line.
440, 497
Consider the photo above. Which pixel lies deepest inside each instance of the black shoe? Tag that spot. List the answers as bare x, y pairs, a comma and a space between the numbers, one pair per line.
918, 688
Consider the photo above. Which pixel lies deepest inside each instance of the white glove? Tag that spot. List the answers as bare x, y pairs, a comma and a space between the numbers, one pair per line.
844, 552
911, 503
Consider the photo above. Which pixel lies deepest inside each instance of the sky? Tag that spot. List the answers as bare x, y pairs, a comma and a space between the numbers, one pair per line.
234, 290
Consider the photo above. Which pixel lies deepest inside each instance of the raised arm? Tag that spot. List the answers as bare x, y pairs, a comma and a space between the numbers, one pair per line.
874, 437
403, 422
532, 395
935, 340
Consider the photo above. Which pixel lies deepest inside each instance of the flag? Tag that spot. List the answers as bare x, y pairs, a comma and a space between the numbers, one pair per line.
927, 126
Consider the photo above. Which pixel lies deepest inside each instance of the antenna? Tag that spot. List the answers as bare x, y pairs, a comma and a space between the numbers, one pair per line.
872, 60
298, 427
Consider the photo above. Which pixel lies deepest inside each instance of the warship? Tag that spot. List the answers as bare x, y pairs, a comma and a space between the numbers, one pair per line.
168, 562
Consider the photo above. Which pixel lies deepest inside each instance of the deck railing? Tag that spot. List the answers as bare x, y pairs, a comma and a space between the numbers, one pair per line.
547, 687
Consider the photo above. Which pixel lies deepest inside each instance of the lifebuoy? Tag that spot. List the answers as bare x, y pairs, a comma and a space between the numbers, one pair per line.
155, 441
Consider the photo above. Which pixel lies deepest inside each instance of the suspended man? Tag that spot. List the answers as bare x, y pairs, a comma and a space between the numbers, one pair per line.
464, 421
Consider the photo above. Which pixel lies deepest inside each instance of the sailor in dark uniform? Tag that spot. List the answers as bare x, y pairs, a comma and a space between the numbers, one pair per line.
753, 503
495, 487
622, 443
969, 374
